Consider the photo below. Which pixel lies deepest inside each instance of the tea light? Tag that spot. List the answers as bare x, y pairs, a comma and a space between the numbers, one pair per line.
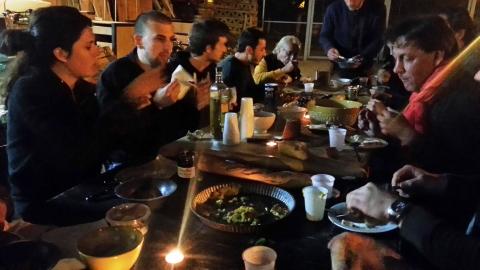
175, 256
272, 144
306, 120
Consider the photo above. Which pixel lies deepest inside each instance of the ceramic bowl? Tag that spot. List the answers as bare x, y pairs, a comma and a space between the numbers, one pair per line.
263, 121
111, 248
149, 190
343, 112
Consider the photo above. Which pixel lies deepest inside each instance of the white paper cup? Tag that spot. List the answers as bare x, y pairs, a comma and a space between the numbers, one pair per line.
231, 133
324, 181
259, 258
315, 199
308, 87
337, 137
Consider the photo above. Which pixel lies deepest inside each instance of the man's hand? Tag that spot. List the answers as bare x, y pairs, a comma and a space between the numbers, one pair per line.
167, 95
413, 180
203, 94
396, 126
376, 106
140, 91
333, 54
371, 201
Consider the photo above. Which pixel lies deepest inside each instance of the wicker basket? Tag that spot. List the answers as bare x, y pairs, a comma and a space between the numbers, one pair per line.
335, 111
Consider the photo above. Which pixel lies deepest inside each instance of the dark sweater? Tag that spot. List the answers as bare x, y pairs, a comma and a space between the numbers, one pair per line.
139, 133
53, 138
238, 74
435, 238
354, 32
195, 119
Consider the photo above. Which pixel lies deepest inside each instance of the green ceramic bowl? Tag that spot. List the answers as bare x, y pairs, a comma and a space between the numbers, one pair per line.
343, 112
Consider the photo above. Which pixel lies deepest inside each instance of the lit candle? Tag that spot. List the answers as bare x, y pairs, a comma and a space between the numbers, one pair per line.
306, 120
175, 256
271, 144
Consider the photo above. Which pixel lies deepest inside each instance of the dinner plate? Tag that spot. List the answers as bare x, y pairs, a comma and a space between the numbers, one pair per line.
354, 226
367, 143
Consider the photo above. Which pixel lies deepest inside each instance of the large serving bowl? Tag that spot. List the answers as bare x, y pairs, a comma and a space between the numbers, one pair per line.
150, 191
263, 121
111, 248
245, 190
343, 112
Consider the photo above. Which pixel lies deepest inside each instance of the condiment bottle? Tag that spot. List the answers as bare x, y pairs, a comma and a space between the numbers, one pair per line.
186, 165
217, 89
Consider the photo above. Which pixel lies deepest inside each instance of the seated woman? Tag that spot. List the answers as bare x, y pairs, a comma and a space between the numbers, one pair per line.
282, 64
54, 137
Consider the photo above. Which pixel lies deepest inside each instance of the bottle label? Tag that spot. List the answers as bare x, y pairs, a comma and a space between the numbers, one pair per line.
186, 172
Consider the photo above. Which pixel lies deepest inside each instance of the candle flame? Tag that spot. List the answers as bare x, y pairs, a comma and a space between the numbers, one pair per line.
175, 256
271, 143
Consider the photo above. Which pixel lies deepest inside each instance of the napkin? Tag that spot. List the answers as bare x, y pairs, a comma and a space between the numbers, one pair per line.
184, 78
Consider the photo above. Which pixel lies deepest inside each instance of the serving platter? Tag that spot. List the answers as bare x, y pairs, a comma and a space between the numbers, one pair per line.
253, 191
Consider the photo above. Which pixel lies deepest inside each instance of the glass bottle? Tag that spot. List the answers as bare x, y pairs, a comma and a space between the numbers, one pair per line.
217, 90
186, 165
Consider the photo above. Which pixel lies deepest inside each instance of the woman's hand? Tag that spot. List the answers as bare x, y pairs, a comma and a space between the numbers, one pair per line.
397, 126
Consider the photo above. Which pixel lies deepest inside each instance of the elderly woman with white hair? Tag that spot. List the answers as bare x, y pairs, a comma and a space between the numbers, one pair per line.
282, 64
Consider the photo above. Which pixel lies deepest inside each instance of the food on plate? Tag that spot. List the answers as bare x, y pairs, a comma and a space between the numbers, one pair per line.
229, 206
293, 149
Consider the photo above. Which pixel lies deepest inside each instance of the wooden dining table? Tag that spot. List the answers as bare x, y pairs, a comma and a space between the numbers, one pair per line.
299, 243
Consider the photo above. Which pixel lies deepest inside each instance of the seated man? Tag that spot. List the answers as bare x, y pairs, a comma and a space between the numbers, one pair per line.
207, 46
442, 98
237, 69
441, 244
282, 64
353, 28
137, 80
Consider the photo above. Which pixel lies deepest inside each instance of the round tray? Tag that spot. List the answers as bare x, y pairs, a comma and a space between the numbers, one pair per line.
265, 190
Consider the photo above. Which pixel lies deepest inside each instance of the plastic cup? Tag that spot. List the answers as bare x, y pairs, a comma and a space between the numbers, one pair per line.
337, 137
135, 215
308, 87
259, 258
315, 199
324, 181
231, 133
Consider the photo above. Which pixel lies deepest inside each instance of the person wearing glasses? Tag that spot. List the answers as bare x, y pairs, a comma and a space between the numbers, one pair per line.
282, 64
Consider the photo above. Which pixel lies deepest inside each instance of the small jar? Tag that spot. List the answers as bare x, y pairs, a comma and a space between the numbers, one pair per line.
186, 165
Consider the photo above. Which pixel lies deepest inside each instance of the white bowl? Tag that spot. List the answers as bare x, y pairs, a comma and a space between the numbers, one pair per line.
263, 121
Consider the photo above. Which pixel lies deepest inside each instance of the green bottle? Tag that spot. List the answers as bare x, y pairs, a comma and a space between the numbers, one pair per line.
216, 90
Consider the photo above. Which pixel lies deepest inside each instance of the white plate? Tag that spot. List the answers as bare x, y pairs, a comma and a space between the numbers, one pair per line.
356, 227
368, 143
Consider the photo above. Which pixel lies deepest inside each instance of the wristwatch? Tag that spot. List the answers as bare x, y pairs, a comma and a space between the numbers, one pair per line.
397, 210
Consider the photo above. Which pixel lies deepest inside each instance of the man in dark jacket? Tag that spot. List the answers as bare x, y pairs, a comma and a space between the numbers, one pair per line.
238, 68
353, 28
